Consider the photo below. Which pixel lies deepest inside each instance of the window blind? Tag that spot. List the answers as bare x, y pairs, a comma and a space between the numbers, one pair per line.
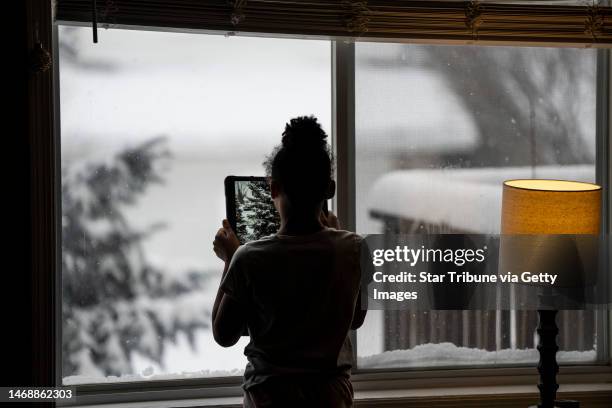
584, 24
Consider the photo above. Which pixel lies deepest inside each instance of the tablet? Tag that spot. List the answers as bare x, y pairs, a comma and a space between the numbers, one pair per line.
250, 209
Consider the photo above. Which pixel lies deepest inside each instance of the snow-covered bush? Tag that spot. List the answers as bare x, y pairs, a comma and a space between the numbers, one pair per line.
115, 301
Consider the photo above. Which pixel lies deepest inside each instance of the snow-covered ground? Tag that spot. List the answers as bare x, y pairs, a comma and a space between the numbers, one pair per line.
424, 355
448, 354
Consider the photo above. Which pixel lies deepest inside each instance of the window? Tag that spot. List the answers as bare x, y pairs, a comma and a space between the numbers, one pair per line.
438, 129
147, 138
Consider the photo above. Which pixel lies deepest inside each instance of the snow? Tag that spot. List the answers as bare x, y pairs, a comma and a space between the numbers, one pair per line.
108, 103
104, 110
448, 354
424, 355
196, 83
181, 310
146, 376
475, 194
97, 229
181, 360
87, 365
399, 110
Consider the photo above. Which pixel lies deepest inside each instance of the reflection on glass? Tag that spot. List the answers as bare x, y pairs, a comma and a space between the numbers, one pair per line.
438, 129
151, 124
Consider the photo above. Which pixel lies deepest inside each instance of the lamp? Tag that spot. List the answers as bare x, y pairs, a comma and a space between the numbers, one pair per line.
541, 208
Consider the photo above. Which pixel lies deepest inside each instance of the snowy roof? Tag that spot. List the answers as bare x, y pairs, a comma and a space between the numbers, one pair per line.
202, 91
408, 107
410, 110
465, 199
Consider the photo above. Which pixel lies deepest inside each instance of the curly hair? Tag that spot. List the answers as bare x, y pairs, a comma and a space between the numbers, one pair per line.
303, 163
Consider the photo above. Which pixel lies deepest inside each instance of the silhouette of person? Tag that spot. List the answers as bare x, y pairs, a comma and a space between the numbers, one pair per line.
296, 292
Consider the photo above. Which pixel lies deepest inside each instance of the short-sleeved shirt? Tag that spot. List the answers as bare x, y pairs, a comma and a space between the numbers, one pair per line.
298, 294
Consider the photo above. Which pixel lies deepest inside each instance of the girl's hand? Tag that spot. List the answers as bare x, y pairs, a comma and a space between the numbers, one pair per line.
330, 221
226, 242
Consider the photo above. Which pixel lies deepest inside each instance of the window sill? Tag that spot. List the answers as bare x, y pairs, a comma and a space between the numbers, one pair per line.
510, 396
593, 395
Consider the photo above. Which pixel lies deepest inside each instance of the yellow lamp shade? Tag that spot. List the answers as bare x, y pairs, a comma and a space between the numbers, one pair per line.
549, 226
550, 207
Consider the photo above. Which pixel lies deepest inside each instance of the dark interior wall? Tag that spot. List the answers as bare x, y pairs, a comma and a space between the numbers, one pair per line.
16, 290
25, 362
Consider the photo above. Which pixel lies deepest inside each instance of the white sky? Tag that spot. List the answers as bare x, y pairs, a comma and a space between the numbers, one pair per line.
199, 89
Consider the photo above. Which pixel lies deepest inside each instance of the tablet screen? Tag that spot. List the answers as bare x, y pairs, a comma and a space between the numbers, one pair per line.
255, 214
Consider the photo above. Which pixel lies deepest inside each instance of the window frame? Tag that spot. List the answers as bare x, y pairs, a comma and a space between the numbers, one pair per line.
343, 140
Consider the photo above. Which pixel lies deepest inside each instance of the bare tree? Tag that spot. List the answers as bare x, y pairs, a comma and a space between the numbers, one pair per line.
525, 102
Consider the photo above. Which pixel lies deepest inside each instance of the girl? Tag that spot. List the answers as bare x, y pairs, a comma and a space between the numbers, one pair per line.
296, 292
